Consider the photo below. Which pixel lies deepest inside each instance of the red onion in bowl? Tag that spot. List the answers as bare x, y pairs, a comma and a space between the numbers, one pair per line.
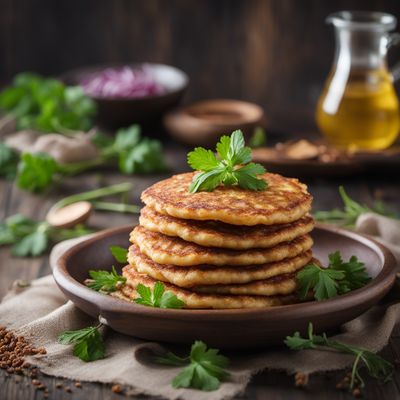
125, 82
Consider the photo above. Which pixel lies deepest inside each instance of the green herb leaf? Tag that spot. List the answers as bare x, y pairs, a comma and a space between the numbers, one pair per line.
202, 159
105, 281
259, 138
205, 370
47, 105
146, 157
8, 162
32, 238
351, 211
36, 172
119, 253
33, 244
88, 343
232, 167
338, 278
127, 138
377, 366
157, 297
247, 177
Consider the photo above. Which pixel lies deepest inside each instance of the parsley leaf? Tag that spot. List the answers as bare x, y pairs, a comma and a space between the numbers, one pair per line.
338, 278
88, 343
351, 211
145, 157
205, 370
202, 159
47, 105
32, 238
119, 253
105, 281
259, 138
157, 297
8, 162
232, 167
36, 171
33, 244
377, 366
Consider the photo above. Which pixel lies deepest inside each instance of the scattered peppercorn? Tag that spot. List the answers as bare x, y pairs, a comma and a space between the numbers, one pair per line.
300, 379
116, 388
13, 350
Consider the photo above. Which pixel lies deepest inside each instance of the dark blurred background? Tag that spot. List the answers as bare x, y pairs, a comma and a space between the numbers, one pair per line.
274, 52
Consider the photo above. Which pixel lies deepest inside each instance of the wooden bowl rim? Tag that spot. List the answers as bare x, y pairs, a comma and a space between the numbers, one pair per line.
185, 117
379, 284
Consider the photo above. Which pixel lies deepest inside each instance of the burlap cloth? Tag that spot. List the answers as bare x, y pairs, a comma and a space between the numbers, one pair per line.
41, 312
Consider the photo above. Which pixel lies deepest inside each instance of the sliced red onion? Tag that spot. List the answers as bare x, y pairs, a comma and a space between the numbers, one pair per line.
125, 82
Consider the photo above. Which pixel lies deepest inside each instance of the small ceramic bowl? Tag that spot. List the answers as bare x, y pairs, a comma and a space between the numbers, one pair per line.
119, 112
204, 122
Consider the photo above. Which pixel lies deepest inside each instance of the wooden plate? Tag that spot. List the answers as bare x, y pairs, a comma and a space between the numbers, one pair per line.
238, 328
384, 162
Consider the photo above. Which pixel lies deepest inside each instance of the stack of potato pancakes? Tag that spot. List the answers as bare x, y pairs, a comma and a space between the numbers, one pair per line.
229, 248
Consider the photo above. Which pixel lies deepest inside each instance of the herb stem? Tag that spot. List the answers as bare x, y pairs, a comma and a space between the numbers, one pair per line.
94, 194
116, 207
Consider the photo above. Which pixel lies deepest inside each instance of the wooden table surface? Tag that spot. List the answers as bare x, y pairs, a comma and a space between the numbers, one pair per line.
266, 385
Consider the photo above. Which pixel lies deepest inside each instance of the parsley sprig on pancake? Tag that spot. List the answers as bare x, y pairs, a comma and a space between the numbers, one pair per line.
231, 166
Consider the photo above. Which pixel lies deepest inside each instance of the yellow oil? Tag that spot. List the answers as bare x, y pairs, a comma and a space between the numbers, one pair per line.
364, 116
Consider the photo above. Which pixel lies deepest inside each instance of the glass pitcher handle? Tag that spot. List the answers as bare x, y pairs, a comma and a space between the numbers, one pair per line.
393, 39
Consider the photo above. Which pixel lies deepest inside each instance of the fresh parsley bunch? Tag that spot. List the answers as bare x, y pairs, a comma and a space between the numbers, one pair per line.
233, 166
38, 172
88, 343
32, 238
351, 211
205, 368
47, 105
338, 278
377, 366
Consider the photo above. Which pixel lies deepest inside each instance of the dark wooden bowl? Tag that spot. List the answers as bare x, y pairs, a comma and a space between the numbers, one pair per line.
115, 113
238, 328
203, 123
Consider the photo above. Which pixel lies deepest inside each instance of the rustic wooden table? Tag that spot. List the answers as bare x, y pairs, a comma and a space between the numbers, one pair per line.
266, 385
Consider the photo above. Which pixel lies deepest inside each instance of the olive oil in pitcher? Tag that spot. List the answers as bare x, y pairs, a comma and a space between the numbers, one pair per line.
358, 108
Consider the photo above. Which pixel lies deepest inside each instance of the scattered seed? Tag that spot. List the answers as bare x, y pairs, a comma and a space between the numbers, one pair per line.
78, 385
356, 392
116, 388
300, 379
59, 385
68, 389
13, 350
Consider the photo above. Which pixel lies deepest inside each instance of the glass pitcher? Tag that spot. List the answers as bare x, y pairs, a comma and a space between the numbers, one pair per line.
358, 108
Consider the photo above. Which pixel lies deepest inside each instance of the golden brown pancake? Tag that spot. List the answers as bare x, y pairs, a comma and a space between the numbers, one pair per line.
219, 234
199, 300
211, 275
277, 285
284, 200
173, 250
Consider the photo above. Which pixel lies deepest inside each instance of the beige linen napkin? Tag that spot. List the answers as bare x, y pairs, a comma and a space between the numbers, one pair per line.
43, 313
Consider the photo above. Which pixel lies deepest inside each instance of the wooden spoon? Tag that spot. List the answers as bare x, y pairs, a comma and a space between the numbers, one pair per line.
70, 215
